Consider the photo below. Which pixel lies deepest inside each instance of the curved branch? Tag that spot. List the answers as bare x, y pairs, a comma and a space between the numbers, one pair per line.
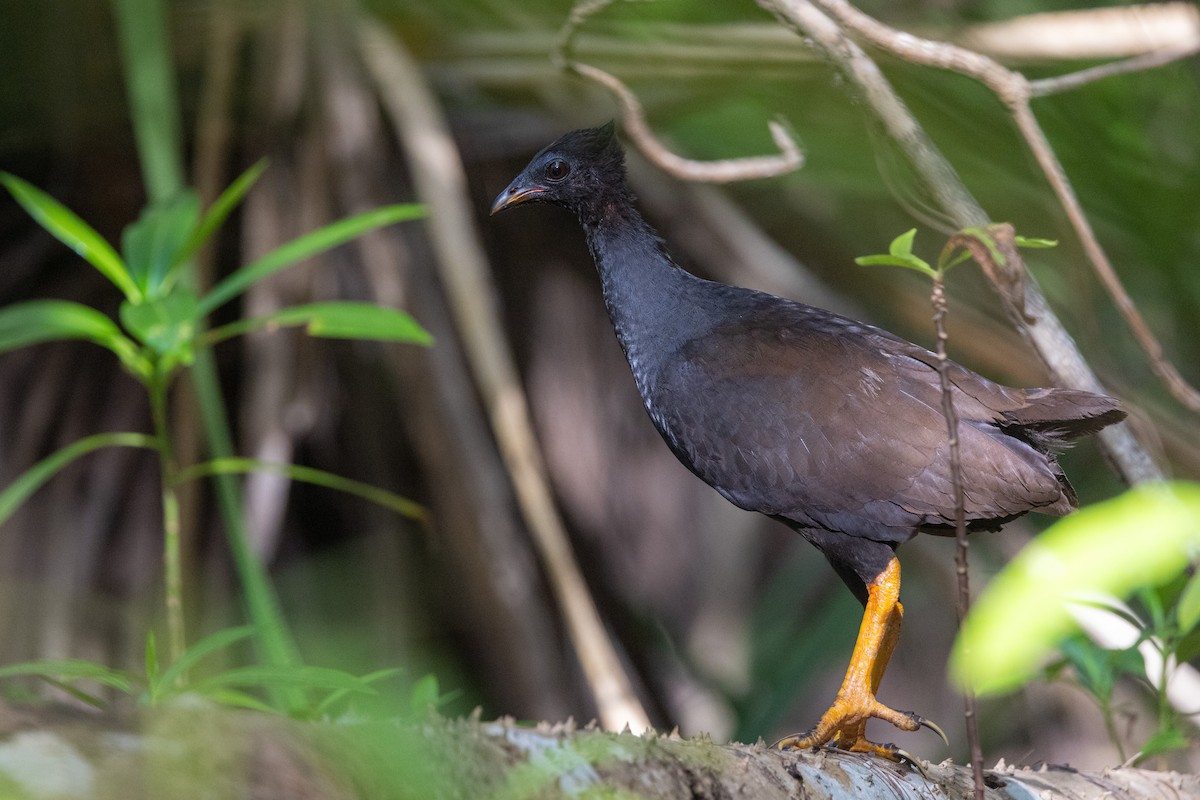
633, 119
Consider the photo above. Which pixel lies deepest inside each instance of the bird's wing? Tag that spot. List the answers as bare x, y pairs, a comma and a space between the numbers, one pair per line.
812, 417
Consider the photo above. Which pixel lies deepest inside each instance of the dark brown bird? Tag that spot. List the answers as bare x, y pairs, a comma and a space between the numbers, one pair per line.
830, 426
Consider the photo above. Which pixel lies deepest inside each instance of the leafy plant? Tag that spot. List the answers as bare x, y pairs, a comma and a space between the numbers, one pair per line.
158, 685
1138, 544
162, 330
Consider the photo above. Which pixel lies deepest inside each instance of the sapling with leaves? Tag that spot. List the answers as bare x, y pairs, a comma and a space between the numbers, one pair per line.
985, 246
1141, 544
162, 327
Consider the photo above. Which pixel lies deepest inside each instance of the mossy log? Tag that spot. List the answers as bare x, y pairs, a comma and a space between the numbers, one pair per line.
197, 750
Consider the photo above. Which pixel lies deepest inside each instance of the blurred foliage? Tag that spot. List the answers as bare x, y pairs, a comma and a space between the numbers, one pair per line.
1090, 558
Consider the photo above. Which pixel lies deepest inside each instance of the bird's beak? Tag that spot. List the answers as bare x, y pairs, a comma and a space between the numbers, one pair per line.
514, 195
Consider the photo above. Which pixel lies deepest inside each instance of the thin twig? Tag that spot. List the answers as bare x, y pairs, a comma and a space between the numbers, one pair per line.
1073, 80
963, 599
1015, 91
439, 177
633, 118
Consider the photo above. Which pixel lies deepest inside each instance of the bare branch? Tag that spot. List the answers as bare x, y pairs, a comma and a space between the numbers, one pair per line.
1073, 80
1015, 91
633, 119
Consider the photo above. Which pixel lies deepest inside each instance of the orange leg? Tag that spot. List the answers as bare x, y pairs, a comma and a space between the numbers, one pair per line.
844, 724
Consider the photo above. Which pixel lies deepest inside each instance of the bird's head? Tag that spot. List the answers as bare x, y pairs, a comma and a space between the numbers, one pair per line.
578, 170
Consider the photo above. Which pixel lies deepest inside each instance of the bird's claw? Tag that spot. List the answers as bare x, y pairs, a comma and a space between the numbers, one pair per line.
931, 725
911, 760
844, 727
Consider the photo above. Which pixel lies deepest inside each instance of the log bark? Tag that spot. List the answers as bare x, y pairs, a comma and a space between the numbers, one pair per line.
194, 749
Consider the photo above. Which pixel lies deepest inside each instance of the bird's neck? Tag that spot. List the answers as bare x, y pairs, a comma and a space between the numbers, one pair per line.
655, 306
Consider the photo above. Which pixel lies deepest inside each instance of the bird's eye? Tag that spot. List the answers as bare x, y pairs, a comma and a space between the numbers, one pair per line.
557, 169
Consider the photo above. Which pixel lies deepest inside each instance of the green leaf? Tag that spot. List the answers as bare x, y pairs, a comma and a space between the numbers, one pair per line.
70, 669
236, 699
959, 257
32, 479
220, 210
910, 262
306, 246
1163, 741
984, 237
38, 321
153, 244
167, 325
202, 649
1035, 244
1141, 538
301, 676
151, 659
901, 246
1097, 668
424, 695
334, 320
233, 465
72, 231
370, 678
1187, 610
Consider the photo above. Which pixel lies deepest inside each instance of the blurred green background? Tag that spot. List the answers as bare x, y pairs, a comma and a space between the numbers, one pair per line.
728, 623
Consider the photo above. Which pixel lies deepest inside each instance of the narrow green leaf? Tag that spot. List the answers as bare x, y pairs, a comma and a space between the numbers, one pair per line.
151, 659
901, 246
424, 695
95, 701
1163, 741
306, 246
236, 699
959, 257
303, 677
32, 479
220, 210
72, 231
1036, 244
38, 321
70, 669
984, 237
152, 245
334, 320
233, 465
1188, 609
374, 677
201, 650
1025, 611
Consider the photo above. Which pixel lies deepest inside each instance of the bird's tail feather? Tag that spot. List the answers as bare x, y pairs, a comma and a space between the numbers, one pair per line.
1055, 417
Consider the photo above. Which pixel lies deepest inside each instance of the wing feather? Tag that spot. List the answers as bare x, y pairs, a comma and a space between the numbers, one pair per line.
806, 415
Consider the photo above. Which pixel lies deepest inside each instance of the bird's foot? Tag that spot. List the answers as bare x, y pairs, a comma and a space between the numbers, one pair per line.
844, 726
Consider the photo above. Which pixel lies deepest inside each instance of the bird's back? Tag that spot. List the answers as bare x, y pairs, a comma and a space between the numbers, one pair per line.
808, 416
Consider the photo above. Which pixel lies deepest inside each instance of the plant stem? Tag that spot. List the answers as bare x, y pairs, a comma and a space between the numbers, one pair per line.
172, 551
154, 109
963, 600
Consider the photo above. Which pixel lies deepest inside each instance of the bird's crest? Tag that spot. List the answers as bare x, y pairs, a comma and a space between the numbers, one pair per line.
597, 144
